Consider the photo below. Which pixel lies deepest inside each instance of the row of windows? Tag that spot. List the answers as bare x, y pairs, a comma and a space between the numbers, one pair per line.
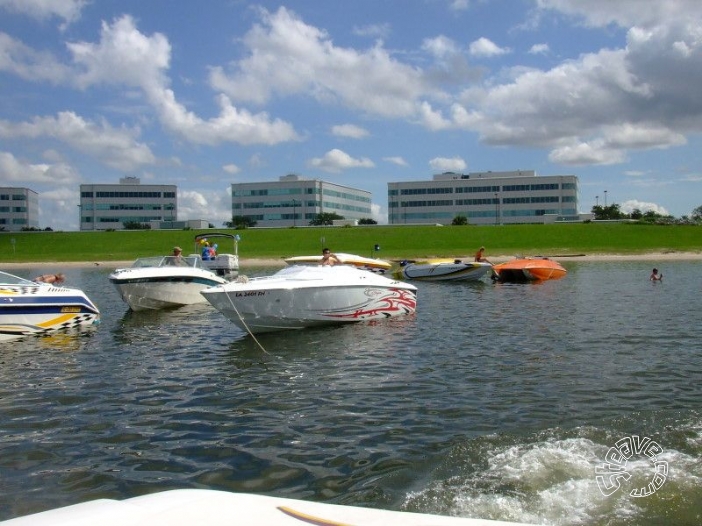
15, 221
517, 200
107, 206
308, 204
346, 195
476, 189
129, 195
262, 192
480, 214
14, 209
482, 189
275, 204
476, 202
120, 220
479, 202
13, 197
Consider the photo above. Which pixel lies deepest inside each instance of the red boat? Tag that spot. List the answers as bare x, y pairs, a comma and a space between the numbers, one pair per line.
528, 269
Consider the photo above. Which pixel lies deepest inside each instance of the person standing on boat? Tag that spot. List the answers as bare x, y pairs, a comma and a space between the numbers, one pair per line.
655, 276
328, 258
479, 256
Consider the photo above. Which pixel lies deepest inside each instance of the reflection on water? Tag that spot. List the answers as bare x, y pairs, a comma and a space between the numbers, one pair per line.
493, 400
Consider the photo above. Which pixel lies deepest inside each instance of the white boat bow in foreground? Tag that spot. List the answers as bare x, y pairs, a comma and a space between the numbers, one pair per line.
306, 296
199, 507
28, 307
163, 282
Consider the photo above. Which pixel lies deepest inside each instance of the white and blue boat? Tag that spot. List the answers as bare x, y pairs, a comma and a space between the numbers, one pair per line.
32, 308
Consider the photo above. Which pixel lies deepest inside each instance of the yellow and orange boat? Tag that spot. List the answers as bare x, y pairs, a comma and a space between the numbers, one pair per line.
528, 269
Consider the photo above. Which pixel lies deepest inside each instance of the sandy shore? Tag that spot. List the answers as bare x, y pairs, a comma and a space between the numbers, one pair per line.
254, 262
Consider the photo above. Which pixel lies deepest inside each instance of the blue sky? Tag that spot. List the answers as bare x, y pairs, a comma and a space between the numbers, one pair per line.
205, 94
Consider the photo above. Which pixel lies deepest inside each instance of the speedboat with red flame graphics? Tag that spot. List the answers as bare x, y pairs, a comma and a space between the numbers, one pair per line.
302, 296
29, 308
442, 270
528, 269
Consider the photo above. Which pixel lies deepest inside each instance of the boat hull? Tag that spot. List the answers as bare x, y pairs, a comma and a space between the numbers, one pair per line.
443, 270
529, 269
161, 288
189, 507
33, 310
316, 297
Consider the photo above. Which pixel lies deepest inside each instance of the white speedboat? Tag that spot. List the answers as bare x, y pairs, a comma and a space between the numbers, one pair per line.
163, 282
222, 264
442, 270
306, 296
28, 307
377, 265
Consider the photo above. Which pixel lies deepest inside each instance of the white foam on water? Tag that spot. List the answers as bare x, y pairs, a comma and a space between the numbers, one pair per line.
553, 482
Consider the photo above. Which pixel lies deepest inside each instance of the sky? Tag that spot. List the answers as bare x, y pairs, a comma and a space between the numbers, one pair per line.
362, 93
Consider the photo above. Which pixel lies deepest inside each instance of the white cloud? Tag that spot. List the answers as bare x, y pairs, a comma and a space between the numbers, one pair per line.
335, 161
213, 206
231, 168
350, 130
399, 161
626, 13
539, 49
629, 206
125, 56
373, 30
289, 57
444, 164
484, 47
21, 173
28, 64
68, 10
114, 147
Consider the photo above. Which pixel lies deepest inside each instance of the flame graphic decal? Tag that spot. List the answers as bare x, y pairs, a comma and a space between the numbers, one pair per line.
394, 303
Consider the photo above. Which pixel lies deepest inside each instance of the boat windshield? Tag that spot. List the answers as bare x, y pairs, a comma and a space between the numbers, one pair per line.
168, 261
11, 279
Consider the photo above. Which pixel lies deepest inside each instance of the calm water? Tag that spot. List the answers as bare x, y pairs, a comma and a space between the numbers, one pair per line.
493, 401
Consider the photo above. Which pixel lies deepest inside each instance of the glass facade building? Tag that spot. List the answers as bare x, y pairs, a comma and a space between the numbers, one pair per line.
295, 201
19, 209
110, 206
485, 198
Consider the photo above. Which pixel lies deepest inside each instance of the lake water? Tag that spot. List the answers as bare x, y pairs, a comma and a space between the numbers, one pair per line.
495, 401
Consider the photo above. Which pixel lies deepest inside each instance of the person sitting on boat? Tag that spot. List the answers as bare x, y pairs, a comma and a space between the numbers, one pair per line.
655, 276
328, 258
479, 257
50, 278
177, 258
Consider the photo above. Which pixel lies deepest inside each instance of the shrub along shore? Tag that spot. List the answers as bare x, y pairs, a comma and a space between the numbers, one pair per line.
271, 245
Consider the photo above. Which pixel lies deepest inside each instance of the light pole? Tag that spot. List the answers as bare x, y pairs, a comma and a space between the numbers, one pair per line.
497, 210
597, 200
605, 192
80, 216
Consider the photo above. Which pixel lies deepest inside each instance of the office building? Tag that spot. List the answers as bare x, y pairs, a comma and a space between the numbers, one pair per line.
19, 209
110, 206
295, 201
485, 198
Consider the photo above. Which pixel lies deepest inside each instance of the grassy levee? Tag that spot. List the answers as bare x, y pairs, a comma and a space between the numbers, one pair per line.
396, 242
